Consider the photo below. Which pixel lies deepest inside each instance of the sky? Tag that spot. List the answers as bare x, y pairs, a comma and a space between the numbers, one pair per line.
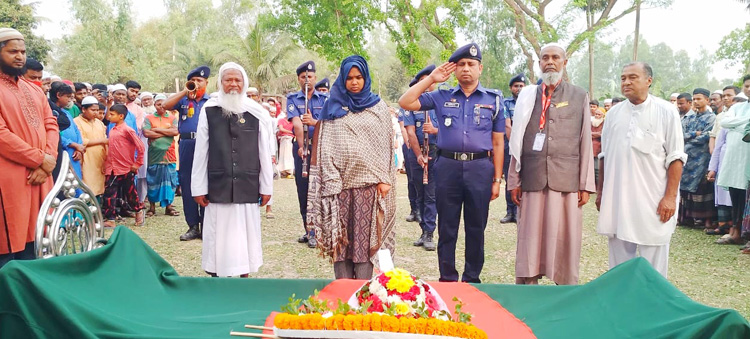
685, 25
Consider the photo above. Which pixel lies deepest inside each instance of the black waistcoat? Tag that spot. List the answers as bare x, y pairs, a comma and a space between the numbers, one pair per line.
233, 158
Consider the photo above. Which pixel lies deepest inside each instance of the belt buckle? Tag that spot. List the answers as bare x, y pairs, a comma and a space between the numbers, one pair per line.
464, 156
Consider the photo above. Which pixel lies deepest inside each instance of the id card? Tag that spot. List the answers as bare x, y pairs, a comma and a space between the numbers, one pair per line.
539, 142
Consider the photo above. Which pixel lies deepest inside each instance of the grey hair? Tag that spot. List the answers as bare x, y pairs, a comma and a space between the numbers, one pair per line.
645, 66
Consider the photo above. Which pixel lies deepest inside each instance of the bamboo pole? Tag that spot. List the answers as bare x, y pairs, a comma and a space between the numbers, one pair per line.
255, 327
253, 335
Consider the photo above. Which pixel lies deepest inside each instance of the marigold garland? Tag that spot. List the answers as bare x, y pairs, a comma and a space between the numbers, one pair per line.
378, 323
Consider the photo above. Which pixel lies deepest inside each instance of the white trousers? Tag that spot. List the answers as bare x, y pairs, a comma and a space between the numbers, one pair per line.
621, 251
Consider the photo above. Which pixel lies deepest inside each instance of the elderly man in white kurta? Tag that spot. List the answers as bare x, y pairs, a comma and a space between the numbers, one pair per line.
232, 175
641, 165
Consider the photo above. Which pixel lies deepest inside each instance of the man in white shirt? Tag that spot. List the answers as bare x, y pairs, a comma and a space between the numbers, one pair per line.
640, 169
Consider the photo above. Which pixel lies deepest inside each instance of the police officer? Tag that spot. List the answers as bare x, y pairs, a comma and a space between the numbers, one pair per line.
417, 124
323, 86
301, 120
468, 167
188, 104
516, 84
414, 214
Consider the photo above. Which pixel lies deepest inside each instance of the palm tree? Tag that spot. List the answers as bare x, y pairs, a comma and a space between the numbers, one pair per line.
261, 52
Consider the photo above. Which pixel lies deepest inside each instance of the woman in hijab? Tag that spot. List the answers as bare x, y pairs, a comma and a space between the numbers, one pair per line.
352, 205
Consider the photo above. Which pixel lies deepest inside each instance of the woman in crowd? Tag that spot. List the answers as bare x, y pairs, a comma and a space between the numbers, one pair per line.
597, 125
352, 205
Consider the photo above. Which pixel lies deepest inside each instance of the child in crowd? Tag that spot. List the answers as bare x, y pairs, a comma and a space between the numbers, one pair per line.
94, 135
120, 168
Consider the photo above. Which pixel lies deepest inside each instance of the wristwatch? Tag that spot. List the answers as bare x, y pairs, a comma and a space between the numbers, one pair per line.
497, 180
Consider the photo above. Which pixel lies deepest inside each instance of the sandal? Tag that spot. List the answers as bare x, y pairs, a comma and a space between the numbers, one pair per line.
170, 211
721, 230
110, 224
140, 218
151, 212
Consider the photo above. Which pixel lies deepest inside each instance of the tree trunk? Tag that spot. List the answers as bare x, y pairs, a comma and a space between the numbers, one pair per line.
637, 28
590, 22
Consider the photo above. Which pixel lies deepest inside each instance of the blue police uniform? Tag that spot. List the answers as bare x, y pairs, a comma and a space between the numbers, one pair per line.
188, 126
425, 193
409, 158
296, 108
464, 168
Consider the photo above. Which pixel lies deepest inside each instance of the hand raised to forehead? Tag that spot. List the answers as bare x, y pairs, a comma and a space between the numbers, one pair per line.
443, 72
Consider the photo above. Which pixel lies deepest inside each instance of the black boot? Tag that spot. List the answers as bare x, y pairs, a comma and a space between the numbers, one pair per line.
303, 239
420, 241
429, 245
509, 218
412, 217
418, 217
193, 233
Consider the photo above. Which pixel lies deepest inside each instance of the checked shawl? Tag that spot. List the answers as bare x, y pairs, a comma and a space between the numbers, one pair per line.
353, 151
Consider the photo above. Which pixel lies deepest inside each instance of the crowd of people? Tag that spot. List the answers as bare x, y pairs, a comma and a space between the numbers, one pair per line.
684, 161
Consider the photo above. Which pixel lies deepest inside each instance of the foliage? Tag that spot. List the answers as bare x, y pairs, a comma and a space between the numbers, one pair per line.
333, 28
493, 30
735, 47
19, 16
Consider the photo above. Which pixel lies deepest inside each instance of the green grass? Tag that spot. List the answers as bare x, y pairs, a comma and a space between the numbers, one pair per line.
716, 275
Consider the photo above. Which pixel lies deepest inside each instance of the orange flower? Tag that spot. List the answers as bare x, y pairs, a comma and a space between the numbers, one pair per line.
357, 323
347, 323
339, 321
432, 326
403, 325
366, 320
375, 323
394, 324
421, 326
330, 324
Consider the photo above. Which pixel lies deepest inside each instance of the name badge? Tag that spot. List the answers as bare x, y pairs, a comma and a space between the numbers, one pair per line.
562, 104
539, 142
451, 104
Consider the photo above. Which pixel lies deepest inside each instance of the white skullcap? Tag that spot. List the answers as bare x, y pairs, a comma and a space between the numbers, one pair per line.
266, 105
741, 95
553, 44
674, 95
145, 94
9, 34
718, 91
607, 101
119, 87
252, 90
88, 85
272, 109
46, 75
160, 97
89, 100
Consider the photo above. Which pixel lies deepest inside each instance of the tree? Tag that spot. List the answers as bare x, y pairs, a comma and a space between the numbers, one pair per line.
493, 29
534, 29
591, 7
333, 28
735, 48
408, 23
15, 15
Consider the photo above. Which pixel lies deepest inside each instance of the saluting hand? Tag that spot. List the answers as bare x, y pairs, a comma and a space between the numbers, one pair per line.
443, 73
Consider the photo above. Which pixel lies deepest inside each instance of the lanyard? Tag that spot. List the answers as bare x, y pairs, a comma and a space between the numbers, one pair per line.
546, 101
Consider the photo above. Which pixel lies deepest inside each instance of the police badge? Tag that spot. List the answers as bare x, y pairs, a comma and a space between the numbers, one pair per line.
473, 50
448, 121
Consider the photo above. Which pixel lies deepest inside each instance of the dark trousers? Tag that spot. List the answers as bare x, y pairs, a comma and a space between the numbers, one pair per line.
120, 196
467, 185
193, 212
302, 183
425, 194
26, 254
510, 207
738, 206
409, 158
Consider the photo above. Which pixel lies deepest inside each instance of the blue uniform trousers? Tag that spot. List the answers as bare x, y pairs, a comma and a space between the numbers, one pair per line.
466, 184
510, 207
409, 158
302, 183
425, 193
193, 212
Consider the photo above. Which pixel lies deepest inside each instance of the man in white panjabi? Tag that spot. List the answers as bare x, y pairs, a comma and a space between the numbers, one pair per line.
232, 175
640, 169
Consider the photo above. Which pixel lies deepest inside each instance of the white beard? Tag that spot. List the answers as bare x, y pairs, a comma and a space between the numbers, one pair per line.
232, 103
149, 109
551, 78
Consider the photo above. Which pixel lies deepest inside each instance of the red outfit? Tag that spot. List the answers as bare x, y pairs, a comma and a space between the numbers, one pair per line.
123, 144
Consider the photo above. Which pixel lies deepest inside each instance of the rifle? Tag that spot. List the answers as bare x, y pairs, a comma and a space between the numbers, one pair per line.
426, 149
305, 130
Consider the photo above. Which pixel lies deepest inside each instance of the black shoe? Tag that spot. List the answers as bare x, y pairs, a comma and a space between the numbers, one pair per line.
420, 241
303, 239
418, 217
312, 243
412, 217
509, 218
193, 233
429, 245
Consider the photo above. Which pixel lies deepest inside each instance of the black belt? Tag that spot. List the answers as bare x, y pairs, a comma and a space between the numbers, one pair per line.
464, 156
187, 136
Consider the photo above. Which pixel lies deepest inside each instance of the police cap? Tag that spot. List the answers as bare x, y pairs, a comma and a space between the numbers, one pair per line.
307, 66
425, 71
518, 78
470, 51
323, 84
200, 71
